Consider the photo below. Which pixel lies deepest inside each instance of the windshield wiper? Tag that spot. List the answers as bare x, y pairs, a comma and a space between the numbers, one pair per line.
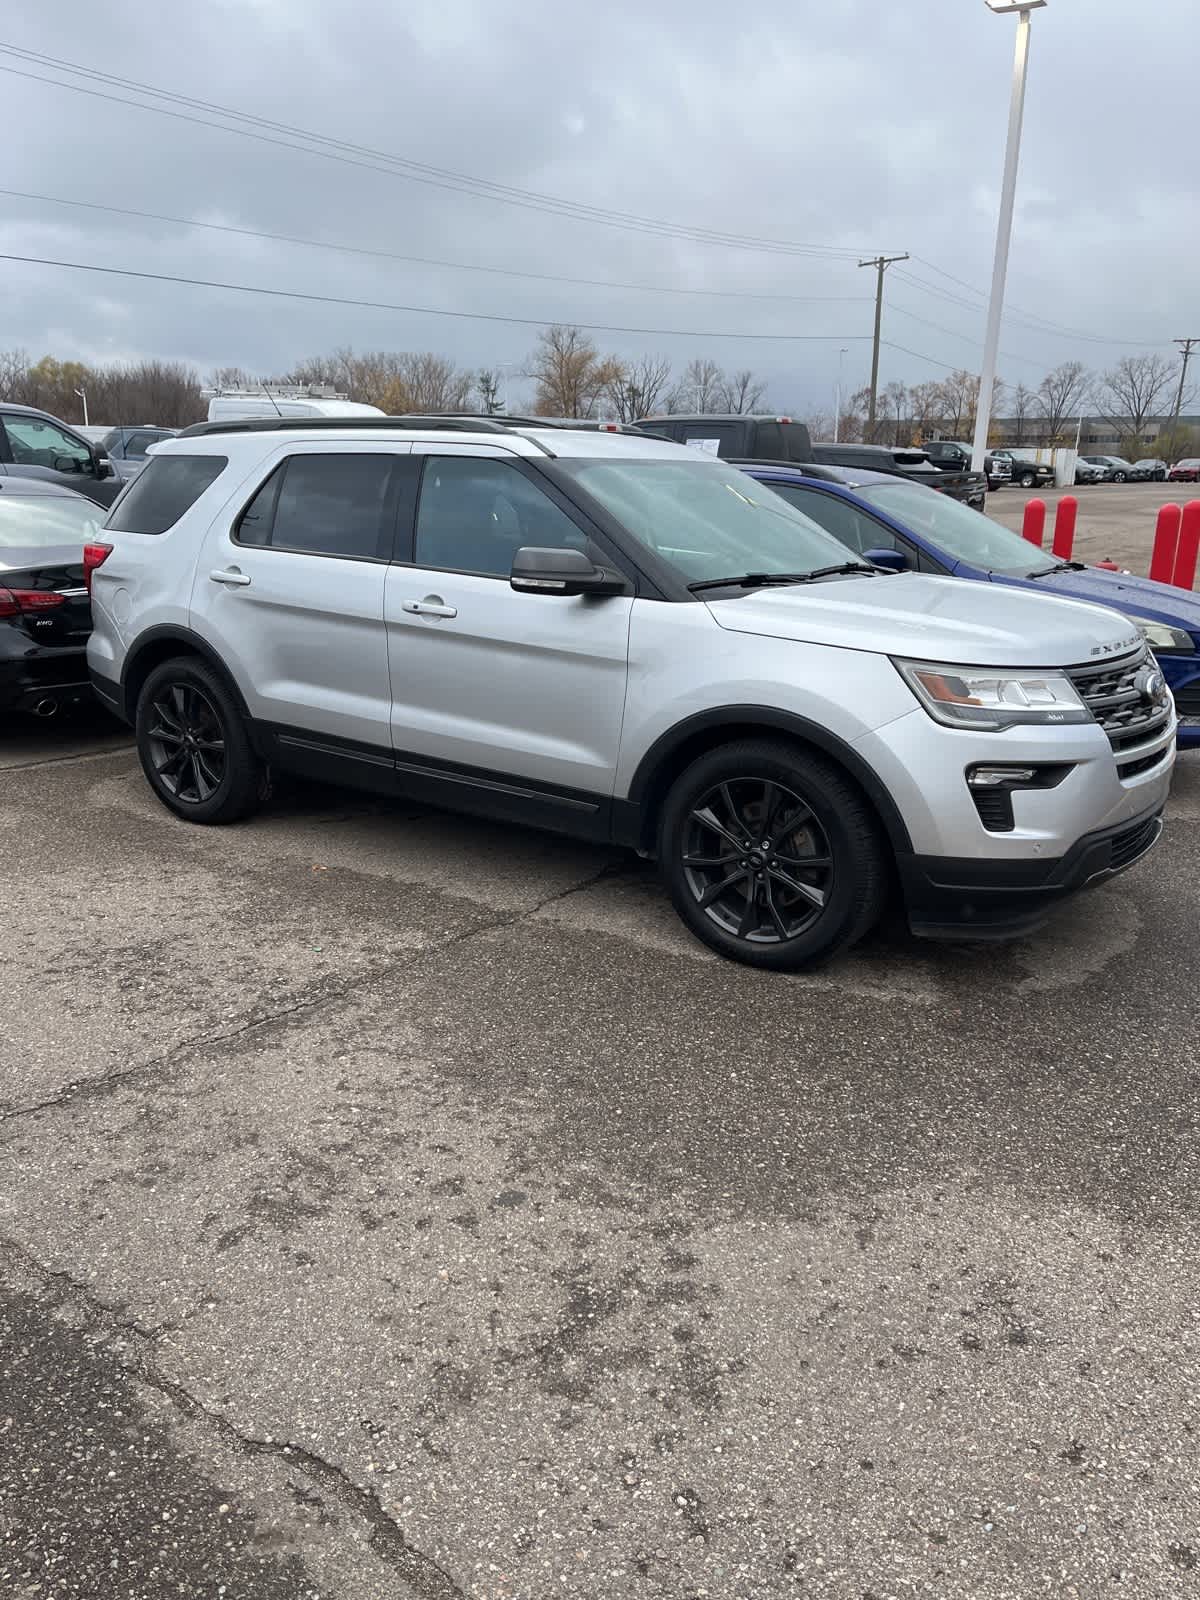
1060, 566
748, 580
754, 580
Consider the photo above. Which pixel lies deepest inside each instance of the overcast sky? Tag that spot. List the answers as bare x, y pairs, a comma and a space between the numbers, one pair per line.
851, 125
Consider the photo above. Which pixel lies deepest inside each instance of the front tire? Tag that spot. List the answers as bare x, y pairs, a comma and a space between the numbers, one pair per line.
193, 745
1118, 477
771, 855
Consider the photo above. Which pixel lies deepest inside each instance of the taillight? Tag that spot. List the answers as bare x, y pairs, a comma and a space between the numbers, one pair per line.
94, 555
15, 601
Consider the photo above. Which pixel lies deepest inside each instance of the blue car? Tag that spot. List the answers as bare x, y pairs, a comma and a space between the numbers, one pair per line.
906, 526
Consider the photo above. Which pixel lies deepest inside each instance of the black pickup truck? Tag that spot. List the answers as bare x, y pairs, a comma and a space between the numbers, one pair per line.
765, 438
948, 455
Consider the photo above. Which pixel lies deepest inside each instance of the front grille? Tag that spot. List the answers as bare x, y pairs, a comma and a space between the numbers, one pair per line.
1135, 841
1111, 693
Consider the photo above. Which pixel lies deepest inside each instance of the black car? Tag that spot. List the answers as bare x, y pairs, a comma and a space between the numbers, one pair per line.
906, 462
33, 444
1149, 470
45, 613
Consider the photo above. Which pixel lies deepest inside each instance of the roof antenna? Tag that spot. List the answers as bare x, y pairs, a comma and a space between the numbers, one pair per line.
272, 399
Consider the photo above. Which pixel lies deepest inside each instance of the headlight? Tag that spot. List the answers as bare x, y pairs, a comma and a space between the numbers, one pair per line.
991, 698
1163, 639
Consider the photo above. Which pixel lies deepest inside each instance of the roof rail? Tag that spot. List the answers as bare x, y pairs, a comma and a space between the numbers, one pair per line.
356, 424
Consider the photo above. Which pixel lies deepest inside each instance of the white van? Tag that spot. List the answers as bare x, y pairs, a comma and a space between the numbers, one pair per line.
229, 407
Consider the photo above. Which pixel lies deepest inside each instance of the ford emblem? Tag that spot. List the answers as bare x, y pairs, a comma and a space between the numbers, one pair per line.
1150, 685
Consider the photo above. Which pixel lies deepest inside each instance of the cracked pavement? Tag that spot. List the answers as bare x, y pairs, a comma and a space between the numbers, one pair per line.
395, 1205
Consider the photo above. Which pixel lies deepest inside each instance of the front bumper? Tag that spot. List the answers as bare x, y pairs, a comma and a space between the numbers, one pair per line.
948, 898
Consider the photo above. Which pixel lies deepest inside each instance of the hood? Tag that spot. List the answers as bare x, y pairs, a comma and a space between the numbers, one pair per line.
1125, 592
932, 619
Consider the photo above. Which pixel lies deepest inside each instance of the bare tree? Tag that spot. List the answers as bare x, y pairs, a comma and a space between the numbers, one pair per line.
487, 385
1131, 392
960, 401
569, 372
819, 425
700, 389
741, 392
892, 404
1061, 394
926, 407
636, 388
1023, 401
232, 378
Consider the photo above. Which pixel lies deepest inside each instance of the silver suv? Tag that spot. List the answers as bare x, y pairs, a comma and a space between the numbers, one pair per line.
614, 637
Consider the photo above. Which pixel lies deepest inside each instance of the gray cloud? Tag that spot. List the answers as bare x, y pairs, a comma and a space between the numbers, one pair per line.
855, 124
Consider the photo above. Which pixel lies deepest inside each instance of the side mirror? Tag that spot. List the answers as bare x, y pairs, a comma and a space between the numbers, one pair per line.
541, 571
890, 560
104, 467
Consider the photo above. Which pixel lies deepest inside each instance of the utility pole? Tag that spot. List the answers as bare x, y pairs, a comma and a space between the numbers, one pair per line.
881, 264
1185, 346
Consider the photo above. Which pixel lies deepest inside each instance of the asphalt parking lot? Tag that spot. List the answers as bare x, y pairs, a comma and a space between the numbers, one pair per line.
1116, 520
396, 1205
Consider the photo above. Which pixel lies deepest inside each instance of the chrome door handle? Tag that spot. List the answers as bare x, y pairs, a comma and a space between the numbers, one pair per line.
229, 575
431, 606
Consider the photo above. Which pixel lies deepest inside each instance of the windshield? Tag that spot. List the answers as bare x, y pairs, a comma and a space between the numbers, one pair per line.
46, 519
959, 533
707, 520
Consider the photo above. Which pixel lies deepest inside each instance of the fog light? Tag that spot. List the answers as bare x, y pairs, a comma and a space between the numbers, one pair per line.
994, 777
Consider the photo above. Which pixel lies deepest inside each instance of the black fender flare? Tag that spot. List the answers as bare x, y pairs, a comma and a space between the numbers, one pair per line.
743, 718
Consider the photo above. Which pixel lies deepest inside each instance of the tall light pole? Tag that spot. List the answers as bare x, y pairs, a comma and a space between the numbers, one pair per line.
82, 393
837, 395
1008, 191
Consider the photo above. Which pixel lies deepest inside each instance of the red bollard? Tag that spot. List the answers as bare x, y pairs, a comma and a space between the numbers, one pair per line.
1034, 526
1064, 527
1184, 576
1166, 543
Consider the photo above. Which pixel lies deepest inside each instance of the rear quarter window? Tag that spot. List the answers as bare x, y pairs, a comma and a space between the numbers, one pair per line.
166, 487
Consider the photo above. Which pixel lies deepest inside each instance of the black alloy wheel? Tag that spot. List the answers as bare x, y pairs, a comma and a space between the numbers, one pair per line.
187, 743
1118, 477
772, 854
757, 860
193, 744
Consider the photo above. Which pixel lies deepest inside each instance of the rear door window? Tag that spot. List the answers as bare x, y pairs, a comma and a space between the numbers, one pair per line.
328, 505
165, 488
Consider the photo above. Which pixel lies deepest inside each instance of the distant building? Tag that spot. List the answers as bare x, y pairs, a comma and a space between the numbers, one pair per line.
1097, 434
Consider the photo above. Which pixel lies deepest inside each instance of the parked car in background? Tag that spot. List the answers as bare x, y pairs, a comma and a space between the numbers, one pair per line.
45, 617
94, 433
970, 487
1113, 469
904, 527
1025, 468
611, 636
1150, 470
127, 447
34, 444
1185, 471
948, 455
1086, 472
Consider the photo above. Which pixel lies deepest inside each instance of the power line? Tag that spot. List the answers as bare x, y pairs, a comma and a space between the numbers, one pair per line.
396, 166
428, 261
953, 333
426, 311
1013, 315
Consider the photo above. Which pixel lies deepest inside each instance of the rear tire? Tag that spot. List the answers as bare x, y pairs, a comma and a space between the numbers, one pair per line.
1028, 480
193, 745
771, 855
1118, 477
